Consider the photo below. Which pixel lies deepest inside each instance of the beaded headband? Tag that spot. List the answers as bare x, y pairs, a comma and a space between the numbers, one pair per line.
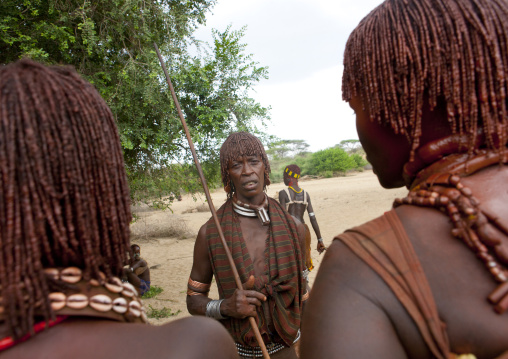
291, 173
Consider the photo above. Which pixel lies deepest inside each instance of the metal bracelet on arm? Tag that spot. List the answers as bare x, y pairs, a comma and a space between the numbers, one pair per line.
213, 309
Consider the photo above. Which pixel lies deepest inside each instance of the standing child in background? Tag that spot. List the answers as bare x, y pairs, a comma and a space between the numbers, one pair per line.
296, 201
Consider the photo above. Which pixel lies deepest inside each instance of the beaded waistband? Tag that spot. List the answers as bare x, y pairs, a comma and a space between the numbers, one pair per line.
256, 352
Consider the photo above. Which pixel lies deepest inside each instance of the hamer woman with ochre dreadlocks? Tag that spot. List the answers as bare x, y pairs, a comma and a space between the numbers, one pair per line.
428, 82
64, 230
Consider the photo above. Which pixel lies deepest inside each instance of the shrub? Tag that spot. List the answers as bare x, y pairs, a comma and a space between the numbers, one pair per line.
359, 160
333, 159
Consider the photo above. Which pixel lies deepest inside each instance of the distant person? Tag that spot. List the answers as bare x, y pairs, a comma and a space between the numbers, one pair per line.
297, 201
137, 272
428, 81
267, 246
64, 231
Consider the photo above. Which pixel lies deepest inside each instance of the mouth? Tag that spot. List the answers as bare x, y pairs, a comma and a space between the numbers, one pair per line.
250, 184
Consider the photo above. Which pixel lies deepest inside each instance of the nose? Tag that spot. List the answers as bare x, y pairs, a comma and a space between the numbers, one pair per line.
247, 168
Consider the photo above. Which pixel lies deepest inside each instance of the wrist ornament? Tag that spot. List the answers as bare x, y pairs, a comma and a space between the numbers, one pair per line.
305, 296
320, 240
213, 309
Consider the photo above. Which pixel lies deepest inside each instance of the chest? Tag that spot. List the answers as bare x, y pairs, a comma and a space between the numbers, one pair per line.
255, 237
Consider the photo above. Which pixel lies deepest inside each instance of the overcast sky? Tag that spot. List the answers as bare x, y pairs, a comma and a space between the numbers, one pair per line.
302, 43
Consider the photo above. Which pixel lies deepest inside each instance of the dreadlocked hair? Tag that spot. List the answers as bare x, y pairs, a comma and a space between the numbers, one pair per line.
64, 199
406, 52
241, 144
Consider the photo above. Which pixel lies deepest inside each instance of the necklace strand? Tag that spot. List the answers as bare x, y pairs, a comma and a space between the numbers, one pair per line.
300, 191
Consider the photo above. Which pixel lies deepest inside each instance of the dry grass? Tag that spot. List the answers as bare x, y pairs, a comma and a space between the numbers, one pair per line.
201, 208
145, 228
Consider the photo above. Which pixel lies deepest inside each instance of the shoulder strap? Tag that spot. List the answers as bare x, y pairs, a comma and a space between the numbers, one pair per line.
289, 196
384, 245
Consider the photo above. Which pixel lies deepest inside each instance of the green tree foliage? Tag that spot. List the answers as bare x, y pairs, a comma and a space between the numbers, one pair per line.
331, 160
110, 43
280, 149
351, 146
359, 160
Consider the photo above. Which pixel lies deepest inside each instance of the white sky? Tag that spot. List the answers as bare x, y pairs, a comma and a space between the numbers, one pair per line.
302, 43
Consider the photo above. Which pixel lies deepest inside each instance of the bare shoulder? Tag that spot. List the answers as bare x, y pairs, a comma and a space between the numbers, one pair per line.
174, 340
347, 298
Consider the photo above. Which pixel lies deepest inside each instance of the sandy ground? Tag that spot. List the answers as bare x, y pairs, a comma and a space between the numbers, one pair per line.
167, 237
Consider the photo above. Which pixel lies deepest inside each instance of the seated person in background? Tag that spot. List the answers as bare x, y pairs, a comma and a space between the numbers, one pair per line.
137, 272
64, 230
428, 80
296, 201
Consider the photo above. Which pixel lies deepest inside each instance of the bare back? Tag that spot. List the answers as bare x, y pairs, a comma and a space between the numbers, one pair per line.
365, 307
95, 338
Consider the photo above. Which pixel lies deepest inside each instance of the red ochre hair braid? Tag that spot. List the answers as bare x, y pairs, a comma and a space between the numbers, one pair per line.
64, 199
240, 144
408, 51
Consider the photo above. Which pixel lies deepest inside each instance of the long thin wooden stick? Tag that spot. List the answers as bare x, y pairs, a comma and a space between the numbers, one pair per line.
238, 282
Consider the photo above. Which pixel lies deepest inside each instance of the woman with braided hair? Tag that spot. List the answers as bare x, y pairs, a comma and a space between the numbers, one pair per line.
64, 230
428, 279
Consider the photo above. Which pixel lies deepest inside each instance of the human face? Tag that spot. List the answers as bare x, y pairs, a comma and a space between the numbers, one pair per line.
136, 252
248, 176
386, 151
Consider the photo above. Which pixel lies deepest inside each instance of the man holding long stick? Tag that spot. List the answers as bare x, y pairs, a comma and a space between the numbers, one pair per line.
267, 247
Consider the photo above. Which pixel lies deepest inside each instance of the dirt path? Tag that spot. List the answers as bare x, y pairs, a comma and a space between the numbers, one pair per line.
167, 238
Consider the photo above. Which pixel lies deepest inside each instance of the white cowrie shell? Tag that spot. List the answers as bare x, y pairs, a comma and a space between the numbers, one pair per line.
120, 305
57, 300
114, 285
129, 290
135, 308
52, 273
77, 301
143, 313
101, 303
71, 275
96, 282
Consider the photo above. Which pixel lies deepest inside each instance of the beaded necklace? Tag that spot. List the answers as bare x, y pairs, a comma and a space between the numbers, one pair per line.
300, 191
438, 186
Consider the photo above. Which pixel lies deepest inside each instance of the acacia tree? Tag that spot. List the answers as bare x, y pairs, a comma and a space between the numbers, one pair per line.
279, 149
351, 146
110, 43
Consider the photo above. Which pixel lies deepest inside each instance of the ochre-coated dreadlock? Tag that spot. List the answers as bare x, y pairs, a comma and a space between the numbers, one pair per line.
64, 199
241, 144
408, 51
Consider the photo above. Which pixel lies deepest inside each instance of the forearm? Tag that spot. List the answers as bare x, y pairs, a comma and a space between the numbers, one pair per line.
196, 304
315, 226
